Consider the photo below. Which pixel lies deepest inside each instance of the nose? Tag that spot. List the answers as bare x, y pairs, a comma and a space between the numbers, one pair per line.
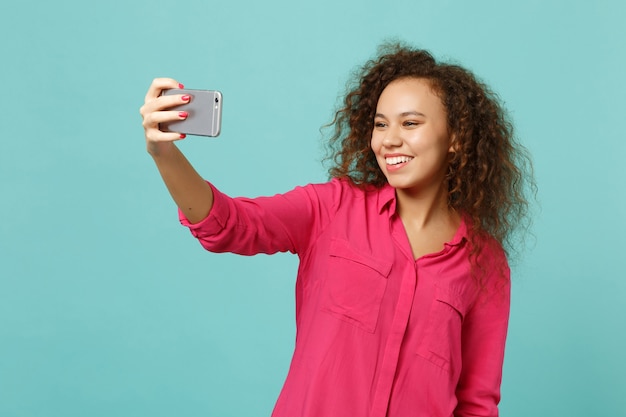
392, 138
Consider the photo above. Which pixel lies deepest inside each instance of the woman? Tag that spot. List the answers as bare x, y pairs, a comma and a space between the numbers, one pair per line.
402, 294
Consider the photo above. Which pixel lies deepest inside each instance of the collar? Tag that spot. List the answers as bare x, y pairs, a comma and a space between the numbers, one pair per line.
461, 233
387, 201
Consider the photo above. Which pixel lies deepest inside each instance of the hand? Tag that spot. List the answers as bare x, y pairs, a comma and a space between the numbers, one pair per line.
155, 111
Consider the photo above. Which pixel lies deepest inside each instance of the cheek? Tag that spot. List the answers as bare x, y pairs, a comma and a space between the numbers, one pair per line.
375, 143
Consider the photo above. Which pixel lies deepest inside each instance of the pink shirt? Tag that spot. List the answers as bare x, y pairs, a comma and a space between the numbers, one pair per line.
378, 332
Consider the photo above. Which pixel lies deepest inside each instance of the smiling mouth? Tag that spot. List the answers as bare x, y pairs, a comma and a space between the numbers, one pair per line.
395, 160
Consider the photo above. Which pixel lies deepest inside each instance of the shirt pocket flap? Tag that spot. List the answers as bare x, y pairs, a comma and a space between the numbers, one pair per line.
453, 300
354, 286
441, 343
341, 249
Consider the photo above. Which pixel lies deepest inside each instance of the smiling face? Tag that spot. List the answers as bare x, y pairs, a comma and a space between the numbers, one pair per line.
410, 137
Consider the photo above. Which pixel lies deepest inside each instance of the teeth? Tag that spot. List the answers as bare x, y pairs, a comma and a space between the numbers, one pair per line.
397, 160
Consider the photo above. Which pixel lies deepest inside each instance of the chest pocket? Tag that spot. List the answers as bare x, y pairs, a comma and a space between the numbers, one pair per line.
441, 344
355, 285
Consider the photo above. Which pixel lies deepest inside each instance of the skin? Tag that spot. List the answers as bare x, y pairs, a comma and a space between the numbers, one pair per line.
188, 189
410, 121
411, 126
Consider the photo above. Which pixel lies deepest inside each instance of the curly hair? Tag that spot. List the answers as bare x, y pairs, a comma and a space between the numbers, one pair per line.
489, 173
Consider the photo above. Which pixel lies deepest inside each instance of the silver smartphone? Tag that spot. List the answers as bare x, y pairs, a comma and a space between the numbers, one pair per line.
205, 113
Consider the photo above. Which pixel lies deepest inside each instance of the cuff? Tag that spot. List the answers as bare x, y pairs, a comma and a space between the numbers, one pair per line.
214, 221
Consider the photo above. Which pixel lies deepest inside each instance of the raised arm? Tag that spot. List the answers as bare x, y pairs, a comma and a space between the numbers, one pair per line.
191, 193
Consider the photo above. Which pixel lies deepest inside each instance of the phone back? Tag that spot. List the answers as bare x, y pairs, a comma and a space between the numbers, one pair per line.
205, 113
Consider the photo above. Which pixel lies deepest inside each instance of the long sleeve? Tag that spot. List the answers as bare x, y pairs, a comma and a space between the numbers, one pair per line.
483, 342
284, 222
377, 331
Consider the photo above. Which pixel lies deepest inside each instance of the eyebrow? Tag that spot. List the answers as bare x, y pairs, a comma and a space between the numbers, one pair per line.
404, 114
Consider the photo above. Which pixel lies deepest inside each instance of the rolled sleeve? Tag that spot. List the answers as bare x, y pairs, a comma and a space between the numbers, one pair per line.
280, 223
214, 222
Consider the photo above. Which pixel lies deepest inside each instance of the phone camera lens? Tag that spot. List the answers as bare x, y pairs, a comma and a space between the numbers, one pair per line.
217, 100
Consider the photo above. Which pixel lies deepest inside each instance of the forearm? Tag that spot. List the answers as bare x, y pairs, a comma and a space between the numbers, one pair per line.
189, 190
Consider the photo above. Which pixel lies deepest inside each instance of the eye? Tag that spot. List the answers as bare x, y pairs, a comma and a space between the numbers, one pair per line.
411, 123
380, 124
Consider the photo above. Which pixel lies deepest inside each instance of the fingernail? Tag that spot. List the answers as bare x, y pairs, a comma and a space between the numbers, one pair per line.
183, 114
181, 86
183, 136
185, 97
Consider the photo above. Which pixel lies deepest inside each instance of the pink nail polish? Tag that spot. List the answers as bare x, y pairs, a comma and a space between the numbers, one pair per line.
181, 86
183, 136
183, 114
186, 97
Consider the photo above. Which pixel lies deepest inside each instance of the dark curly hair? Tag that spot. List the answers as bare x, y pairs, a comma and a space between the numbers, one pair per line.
489, 173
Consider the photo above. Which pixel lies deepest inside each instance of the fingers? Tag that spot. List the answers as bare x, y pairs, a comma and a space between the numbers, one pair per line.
154, 101
151, 125
160, 84
157, 136
156, 109
153, 119
162, 103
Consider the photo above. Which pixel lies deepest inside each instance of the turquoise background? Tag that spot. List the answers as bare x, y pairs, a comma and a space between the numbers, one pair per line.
109, 307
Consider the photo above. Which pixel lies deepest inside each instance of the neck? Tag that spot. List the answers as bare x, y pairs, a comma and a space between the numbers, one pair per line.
421, 209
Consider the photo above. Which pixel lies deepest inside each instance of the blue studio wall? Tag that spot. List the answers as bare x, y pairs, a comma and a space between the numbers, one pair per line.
109, 307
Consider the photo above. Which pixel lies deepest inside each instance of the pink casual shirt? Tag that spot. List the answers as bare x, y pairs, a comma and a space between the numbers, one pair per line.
378, 332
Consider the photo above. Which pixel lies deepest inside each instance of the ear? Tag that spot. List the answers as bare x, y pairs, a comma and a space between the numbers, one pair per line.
454, 144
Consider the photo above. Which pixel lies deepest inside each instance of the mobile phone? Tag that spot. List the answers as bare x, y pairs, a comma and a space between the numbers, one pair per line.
205, 113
